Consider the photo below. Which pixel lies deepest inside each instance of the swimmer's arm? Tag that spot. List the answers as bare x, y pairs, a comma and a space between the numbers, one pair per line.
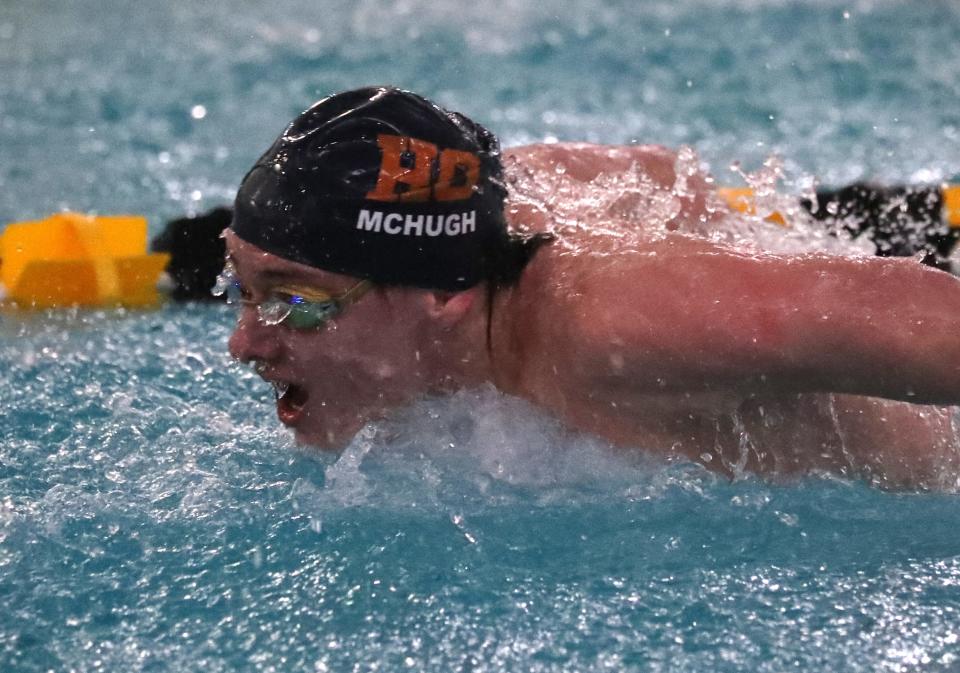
688, 316
583, 162
589, 163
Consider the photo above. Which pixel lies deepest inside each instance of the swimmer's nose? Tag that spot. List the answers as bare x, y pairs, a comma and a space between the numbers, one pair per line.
251, 340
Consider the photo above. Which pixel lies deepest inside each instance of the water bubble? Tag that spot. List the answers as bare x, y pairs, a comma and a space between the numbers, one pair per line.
788, 519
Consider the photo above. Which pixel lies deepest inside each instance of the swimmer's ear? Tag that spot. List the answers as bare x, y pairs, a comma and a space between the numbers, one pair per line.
449, 308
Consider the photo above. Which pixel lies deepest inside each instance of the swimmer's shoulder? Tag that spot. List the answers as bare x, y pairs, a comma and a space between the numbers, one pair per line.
584, 161
554, 151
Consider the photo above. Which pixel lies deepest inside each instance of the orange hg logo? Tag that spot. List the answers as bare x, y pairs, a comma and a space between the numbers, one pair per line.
415, 170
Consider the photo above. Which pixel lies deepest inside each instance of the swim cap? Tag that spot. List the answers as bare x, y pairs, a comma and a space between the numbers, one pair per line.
381, 184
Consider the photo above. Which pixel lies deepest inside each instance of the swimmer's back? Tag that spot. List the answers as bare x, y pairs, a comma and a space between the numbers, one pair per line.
605, 195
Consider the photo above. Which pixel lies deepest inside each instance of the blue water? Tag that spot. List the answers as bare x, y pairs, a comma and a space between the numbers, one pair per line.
154, 516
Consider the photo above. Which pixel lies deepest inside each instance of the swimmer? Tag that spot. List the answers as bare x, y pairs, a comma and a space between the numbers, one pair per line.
900, 221
196, 252
383, 249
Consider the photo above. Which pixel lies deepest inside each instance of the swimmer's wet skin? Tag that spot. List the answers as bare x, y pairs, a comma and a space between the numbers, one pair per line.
653, 345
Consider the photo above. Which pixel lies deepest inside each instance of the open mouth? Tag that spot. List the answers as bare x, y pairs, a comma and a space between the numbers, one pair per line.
291, 400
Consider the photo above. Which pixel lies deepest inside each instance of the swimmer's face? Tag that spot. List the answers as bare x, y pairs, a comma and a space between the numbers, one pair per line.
336, 377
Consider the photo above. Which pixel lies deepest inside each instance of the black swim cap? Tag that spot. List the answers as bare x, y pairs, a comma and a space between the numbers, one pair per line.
381, 184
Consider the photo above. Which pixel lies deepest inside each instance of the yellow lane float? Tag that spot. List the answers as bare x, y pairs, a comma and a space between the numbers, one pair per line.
951, 205
71, 259
741, 199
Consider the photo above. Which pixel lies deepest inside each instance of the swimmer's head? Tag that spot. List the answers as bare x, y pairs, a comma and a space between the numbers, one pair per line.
382, 184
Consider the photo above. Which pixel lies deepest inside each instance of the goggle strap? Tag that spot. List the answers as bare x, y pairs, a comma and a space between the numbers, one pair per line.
315, 296
355, 292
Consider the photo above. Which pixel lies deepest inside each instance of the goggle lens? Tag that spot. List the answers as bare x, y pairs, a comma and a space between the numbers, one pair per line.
290, 309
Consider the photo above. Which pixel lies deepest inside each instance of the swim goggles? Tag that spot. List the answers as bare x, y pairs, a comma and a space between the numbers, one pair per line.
296, 307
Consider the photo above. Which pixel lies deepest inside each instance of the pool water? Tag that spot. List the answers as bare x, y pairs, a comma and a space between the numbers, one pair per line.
154, 515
